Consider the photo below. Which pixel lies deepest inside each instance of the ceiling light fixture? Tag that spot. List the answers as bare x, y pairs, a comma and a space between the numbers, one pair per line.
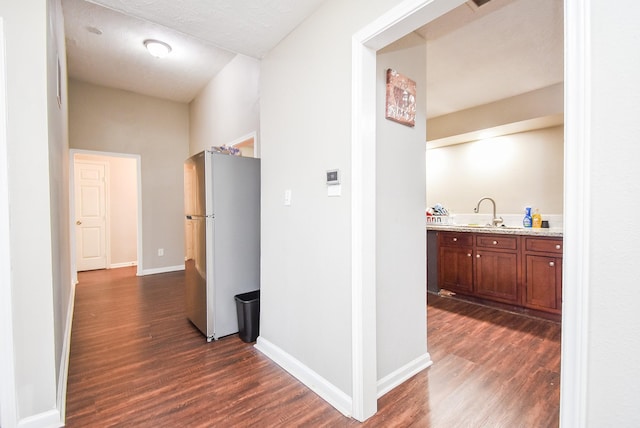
157, 48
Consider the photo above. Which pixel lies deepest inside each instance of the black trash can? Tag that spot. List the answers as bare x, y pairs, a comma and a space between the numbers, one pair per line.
248, 308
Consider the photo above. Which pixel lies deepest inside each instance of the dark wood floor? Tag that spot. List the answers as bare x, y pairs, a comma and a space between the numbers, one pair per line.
137, 362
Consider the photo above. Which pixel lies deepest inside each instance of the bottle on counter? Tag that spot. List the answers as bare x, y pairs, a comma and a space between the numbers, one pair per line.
527, 220
536, 219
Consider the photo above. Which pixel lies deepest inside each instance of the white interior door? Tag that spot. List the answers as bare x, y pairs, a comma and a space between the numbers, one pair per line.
90, 214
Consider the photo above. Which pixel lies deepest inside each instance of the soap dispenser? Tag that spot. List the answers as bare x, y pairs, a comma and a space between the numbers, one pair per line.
527, 220
536, 219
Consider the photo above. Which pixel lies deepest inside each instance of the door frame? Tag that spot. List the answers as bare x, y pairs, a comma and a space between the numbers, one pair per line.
72, 201
399, 21
252, 135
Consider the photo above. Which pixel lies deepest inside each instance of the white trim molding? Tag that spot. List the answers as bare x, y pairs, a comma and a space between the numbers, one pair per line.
252, 135
403, 374
325, 389
49, 419
363, 233
123, 264
64, 361
575, 306
391, 26
8, 410
164, 269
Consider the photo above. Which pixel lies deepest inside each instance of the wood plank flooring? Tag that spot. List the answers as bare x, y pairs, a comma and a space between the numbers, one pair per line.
136, 361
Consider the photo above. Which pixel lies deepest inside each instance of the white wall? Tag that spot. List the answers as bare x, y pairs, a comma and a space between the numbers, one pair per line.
38, 201
306, 248
228, 107
613, 374
7, 387
122, 191
400, 198
59, 182
517, 170
111, 120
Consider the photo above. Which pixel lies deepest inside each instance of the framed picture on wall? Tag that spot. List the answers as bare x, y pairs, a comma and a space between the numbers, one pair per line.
401, 98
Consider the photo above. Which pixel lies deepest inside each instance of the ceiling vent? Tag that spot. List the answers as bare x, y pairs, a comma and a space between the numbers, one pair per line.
480, 2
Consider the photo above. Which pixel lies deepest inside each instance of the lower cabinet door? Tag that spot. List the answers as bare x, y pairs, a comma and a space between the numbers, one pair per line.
497, 276
543, 281
455, 269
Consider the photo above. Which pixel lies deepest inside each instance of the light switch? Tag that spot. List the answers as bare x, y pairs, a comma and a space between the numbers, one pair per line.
287, 197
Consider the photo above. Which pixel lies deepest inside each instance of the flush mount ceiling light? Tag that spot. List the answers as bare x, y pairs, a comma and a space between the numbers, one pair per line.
157, 48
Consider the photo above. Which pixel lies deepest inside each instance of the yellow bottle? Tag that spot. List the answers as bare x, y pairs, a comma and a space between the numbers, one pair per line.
536, 219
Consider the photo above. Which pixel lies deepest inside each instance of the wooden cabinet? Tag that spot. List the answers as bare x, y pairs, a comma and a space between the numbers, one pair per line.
455, 262
497, 267
520, 271
543, 274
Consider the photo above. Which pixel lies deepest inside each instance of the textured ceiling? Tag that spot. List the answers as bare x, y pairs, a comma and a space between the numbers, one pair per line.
117, 57
475, 55
104, 40
249, 27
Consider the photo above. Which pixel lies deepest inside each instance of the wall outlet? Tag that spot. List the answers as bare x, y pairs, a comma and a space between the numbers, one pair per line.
161, 251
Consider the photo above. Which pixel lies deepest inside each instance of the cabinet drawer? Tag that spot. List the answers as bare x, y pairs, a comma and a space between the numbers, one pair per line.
453, 239
543, 245
497, 241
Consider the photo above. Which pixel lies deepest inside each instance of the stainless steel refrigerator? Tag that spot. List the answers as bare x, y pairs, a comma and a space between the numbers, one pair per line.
222, 229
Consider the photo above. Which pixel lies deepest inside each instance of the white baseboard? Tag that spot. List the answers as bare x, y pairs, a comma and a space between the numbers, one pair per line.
124, 264
64, 361
399, 376
48, 419
312, 380
162, 270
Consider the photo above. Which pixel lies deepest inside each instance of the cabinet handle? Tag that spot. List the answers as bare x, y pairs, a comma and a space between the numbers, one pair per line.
468, 254
495, 242
454, 239
552, 264
477, 256
558, 247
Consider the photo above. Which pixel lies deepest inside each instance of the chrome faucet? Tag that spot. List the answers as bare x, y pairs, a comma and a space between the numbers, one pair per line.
496, 220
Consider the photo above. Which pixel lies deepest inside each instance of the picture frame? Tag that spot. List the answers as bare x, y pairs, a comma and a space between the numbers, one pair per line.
400, 103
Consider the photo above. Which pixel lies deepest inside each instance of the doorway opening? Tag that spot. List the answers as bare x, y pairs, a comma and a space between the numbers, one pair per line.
248, 145
388, 28
106, 205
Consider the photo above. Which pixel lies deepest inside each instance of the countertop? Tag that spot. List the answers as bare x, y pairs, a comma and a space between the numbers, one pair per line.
551, 232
